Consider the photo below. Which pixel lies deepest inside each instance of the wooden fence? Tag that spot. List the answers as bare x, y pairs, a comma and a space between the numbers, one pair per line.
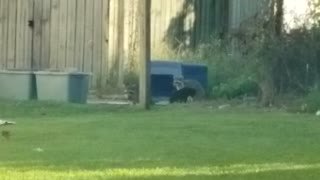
54, 34
241, 10
99, 36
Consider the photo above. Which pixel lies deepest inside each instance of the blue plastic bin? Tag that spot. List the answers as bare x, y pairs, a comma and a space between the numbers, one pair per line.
163, 74
196, 72
161, 85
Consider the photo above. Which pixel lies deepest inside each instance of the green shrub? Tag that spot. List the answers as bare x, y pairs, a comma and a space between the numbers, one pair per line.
309, 103
312, 102
236, 88
131, 85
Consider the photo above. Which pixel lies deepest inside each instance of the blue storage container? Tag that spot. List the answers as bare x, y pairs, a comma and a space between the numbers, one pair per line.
163, 74
196, 72
167, 68
161, 85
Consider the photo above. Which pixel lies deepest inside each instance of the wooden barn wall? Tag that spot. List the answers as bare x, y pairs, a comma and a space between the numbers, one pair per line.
241, 10
67, 34
174, 23
15, 35
100, 36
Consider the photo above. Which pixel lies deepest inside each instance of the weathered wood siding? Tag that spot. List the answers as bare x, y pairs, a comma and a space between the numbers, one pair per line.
99, 36
241, 10
66, 34
15, 35
174, 23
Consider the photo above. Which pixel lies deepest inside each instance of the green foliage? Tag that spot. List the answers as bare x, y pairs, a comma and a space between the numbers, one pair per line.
131, 85
230, 75
235, 88
311, 103
131, 79
260, 57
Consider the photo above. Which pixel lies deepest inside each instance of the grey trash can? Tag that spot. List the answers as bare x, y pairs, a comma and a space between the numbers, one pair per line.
17, 85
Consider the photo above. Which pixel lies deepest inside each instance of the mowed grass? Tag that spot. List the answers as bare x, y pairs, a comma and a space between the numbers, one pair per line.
175, 142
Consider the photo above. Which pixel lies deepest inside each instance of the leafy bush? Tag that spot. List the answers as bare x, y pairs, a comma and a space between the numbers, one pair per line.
312, 102
131, 85
259, 59
236, 88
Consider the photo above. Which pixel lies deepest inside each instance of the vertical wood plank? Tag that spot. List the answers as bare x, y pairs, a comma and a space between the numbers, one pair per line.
12, 34
189, 20
154, 24
198, 21
173, 13
126, 33
36, 64
238, 18
97, 45
80, 25
203, 20
217, 15
3, 26
22, 28
209, 21
185, 26
192, 26
88, 42
55, 34
88, 46
245, 10
120, 49
113, 43
158, 22
133, 36
46, 33
28, 37
105, 42
19, 34
163, 18
233, 14
169, 6
62, 34
71, 34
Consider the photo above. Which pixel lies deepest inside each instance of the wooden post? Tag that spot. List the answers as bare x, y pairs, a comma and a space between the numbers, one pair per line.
144, 18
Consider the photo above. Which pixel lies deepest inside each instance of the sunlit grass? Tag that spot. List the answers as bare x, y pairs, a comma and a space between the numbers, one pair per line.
41, 173
178, 142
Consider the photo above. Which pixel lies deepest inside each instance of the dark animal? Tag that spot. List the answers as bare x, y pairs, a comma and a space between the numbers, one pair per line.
6, 134
190, 83
182, 95
132, 93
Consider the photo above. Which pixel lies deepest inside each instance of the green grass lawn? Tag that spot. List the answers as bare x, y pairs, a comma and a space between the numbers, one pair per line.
178, 142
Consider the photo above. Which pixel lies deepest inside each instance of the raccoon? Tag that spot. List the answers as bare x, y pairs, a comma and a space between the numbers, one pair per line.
132, 93
182, 95
190, 84
131, 87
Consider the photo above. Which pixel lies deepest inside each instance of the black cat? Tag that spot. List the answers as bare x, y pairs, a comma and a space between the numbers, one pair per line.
182, 95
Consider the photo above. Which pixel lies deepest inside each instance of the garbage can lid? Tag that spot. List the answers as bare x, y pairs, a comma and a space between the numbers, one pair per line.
61, 73
16, 71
